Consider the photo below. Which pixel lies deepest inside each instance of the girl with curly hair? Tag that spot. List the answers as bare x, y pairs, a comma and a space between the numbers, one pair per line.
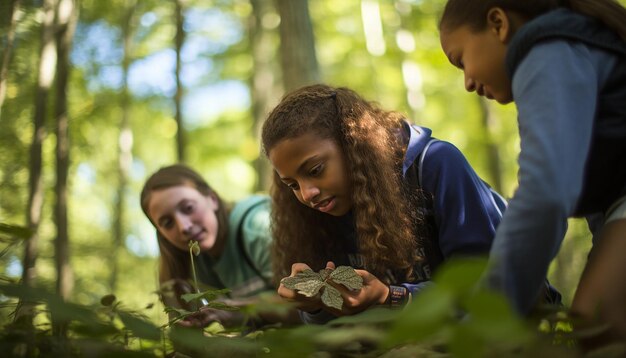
357, 185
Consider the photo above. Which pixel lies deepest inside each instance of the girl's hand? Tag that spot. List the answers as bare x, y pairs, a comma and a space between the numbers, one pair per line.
303, 303
373, 292
206, 316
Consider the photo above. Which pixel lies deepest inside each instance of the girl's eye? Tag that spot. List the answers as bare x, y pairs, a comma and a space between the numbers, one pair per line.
293, 186
166, 224
188, 208
316, 170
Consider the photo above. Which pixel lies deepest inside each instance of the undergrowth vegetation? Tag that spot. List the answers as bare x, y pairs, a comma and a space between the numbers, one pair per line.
454, 317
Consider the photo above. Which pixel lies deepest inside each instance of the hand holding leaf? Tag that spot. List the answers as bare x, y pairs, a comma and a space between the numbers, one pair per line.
310, 283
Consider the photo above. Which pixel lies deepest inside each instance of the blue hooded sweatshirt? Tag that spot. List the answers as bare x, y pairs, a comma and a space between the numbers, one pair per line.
462, 210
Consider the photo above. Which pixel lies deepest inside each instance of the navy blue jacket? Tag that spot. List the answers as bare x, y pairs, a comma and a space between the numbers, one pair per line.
461, 209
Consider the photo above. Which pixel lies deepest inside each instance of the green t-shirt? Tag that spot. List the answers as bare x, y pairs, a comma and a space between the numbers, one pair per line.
231, 270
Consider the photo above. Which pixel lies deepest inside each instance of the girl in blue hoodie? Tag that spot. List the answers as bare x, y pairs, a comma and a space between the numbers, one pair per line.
563, 64
356, 185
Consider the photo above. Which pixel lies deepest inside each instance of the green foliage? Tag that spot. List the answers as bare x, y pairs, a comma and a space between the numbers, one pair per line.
11, 236
454, 317
310, 283
472, 321
9, 232
91, 327
209, 295
108, 329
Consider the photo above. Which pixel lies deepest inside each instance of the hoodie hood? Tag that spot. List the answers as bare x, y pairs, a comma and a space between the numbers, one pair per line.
418, 139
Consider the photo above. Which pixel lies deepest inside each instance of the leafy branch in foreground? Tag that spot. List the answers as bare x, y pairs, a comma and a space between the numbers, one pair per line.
194, 250
196, 299
206, 299
310, 283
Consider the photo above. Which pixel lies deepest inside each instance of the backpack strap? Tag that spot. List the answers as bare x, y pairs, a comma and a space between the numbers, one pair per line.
241, 246
420, 164
425, 205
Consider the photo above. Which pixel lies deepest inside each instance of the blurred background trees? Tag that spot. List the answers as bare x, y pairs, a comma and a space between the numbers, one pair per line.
96, 95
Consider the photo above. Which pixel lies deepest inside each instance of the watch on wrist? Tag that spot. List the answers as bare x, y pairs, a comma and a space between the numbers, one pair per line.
398, 296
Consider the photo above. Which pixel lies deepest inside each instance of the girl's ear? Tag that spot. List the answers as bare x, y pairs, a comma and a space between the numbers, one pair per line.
499, 23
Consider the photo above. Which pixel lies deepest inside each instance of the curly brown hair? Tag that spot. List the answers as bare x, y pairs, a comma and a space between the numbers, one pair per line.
369, 138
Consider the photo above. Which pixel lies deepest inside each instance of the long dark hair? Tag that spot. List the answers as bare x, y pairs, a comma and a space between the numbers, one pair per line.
473, 13
369, 139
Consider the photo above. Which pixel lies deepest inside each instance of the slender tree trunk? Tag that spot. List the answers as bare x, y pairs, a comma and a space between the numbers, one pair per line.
6, 55
45, 76
263, 83
374, 38
66, 22
180, 40
297, 44
125, 145
411, 71
493, 157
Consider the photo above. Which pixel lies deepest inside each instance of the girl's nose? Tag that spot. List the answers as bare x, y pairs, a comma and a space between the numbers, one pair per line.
184, 224
470, 84
309, 192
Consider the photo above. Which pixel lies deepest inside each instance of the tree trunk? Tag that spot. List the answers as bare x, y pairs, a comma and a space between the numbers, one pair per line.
6, 56
411, 71
297, 44
493, 157
180, 40
125, 146
45, 76
67, 17
263, 83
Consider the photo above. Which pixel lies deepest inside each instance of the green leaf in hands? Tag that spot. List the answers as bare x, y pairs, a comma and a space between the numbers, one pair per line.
348, 277
309, 283
302, 276
331, 297
324, 273
309, 288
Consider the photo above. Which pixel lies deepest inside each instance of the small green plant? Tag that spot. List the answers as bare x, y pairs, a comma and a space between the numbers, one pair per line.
310, 283
194, 250
200, 299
